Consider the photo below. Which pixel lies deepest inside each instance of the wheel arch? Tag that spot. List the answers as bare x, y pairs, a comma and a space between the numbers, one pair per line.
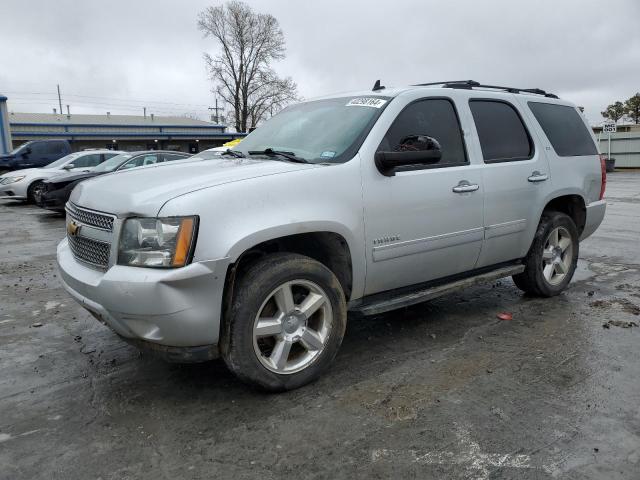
325, 246
572, 204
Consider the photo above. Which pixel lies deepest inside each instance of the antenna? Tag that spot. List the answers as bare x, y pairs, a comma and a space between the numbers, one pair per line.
377, 86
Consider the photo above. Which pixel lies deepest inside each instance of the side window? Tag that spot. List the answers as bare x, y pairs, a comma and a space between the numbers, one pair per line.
140, 161
107, 156
503, 137
564, 128
87, 161
55, 148
168, 157
435, 118
38, 148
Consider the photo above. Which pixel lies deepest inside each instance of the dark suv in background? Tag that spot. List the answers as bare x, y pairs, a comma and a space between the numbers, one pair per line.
34, 154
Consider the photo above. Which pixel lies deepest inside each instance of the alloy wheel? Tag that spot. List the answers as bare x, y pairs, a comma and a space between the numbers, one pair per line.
557, 256
292, 326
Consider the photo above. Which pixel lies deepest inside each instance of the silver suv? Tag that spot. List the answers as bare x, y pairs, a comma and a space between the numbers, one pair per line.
362, 202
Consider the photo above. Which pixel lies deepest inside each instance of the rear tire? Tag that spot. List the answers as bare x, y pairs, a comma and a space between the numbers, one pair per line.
286, 322
552, 258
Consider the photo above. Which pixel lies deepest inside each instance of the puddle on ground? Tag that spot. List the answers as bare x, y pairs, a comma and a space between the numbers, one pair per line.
587, 270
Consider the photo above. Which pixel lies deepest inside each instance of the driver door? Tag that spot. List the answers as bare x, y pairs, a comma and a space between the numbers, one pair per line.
426, 221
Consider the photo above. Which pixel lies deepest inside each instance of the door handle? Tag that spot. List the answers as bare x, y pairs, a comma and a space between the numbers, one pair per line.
464, 187
538, 177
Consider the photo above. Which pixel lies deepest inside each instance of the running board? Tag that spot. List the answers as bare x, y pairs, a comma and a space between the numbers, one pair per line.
377, 305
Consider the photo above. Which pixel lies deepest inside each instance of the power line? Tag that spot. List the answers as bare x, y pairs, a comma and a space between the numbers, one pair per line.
109, 98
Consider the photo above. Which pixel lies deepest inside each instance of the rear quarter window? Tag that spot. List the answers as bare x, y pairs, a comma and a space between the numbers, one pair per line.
564, 128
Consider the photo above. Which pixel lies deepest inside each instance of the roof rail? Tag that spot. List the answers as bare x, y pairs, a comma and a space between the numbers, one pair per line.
469, 84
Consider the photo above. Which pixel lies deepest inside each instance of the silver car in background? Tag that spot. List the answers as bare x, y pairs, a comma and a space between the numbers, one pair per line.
24, 184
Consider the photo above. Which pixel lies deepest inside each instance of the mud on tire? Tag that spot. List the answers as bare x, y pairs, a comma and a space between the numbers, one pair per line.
285, 323
552, 258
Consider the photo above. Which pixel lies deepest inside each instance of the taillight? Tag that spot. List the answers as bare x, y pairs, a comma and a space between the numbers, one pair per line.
603, 169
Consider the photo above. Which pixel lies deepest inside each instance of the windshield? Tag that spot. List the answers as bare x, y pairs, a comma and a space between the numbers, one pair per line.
17, 150
113, 163
320, 131
60, 162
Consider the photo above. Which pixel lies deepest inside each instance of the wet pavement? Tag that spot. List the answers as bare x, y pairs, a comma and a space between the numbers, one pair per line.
440, 390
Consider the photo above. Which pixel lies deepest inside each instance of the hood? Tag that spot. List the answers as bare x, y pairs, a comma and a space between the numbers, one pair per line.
6, 158
18, 173
72, 177
144, 190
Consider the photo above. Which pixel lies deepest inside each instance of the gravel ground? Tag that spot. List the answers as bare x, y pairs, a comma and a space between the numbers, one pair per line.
441, 390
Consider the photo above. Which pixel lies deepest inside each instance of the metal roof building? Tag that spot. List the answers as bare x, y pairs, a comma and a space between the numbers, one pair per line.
124, 132
625, 145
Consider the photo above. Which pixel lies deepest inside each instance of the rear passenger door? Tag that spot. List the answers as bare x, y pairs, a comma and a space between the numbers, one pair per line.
515, 175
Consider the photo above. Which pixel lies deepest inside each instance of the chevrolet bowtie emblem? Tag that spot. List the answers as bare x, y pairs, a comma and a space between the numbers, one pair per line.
73, 229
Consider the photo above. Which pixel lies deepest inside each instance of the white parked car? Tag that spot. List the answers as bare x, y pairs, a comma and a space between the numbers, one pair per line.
22, 184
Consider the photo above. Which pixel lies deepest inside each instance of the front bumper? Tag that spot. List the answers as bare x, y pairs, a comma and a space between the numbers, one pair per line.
15, 191
54, 199
167, 307
595, 215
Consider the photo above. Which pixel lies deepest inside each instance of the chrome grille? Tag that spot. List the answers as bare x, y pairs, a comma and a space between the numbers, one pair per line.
90, 251
89, 217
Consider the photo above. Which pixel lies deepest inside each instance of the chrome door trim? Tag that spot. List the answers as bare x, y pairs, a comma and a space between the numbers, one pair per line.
427, 244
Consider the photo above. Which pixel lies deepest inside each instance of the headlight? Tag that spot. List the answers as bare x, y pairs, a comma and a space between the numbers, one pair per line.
8, 180
157, 242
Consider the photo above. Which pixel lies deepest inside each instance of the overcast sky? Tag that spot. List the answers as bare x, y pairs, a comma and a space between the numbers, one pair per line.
119, 55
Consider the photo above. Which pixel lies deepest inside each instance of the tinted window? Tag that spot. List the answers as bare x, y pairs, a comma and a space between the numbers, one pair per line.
141, 161
38, 148
503, 137
86, 161
564, 128
434, 118
168, 157
55, 148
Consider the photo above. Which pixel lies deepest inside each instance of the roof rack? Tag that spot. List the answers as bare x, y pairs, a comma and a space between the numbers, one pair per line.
469, 84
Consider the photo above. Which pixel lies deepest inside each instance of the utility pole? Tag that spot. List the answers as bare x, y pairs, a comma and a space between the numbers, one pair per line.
144, 109
59, 99
216, 108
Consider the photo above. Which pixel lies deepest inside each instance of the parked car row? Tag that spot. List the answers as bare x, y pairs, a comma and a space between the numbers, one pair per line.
50, 186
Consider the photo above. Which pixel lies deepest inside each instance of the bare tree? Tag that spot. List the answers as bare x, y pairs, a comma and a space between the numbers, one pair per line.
615, 112
242, 74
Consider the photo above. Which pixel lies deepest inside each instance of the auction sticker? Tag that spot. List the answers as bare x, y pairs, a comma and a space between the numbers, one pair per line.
366, 102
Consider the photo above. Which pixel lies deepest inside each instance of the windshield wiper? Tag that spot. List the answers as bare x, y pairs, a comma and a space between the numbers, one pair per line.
233, 153
272, 153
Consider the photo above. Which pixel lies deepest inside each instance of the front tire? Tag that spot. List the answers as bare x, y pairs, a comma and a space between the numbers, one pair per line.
34, 192
285, 324
552, 258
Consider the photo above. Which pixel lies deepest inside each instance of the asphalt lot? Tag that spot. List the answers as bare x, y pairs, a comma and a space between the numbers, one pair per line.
440, 390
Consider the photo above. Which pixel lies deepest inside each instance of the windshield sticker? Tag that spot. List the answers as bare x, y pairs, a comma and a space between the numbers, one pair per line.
327, 154
366, 102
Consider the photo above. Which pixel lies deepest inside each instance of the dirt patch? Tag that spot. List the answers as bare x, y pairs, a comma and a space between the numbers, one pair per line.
619, 323
627, 305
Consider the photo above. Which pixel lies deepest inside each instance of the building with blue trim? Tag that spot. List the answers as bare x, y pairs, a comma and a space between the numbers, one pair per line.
120, 132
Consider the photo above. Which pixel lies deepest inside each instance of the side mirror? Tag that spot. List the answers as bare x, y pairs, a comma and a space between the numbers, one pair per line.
26, 153
68, 166
414, 150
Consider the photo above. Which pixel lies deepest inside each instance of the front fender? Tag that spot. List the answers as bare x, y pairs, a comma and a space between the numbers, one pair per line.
236, 216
